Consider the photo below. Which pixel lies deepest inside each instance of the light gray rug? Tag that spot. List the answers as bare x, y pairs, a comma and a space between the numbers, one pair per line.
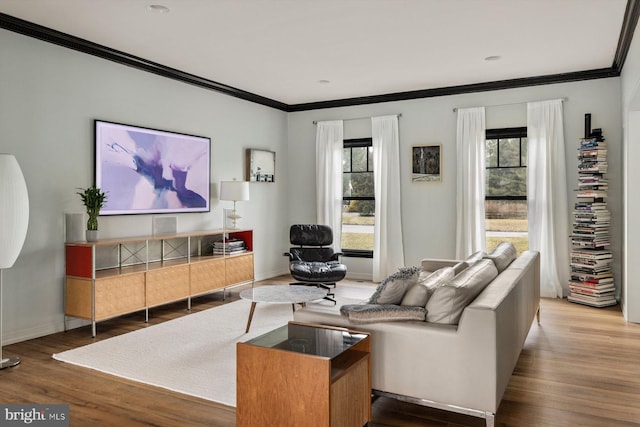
194, 354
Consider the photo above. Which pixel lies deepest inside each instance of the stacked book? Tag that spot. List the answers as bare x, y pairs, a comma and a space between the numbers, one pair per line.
591, 280
229, 247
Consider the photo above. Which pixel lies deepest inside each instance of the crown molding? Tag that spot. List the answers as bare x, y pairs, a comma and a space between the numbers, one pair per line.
456, 90
76, 43
629, 24
630, 21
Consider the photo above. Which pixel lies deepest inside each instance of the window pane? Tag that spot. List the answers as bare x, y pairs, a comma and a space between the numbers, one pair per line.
370, 151
509, 152
346, 160
507, 182
359, 159
523, 155
357, 225
358, 184
506, 221
492, 153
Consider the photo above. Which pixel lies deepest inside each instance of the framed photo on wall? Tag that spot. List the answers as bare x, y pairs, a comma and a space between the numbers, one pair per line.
426, 163
260, 165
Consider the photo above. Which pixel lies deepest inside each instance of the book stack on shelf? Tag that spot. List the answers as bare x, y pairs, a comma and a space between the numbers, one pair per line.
229, 247
591, 272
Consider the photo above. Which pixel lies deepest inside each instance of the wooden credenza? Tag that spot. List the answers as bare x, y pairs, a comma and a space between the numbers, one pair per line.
113, 277
304, 375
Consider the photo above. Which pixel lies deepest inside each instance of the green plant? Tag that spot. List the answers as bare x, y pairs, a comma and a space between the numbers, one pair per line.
93, 199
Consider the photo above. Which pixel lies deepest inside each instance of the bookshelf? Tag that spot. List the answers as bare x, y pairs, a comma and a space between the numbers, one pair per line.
591, 281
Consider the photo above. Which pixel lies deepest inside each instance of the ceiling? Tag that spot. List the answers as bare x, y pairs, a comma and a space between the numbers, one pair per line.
309, 51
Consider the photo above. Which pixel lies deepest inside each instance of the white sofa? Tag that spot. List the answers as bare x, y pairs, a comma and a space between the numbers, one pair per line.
463, 368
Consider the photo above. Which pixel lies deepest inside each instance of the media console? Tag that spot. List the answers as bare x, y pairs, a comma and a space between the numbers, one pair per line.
110, 278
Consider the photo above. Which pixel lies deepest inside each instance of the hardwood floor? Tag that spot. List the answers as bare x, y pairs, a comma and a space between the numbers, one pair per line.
579, 367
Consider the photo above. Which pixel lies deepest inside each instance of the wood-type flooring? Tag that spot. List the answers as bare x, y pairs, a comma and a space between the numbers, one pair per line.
579, 367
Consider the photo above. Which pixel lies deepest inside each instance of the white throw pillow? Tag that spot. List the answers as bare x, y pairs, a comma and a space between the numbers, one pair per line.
503, 255
449, 300
419, 294
475, 257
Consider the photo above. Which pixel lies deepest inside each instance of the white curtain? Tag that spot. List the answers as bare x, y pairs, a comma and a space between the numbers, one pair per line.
388, 252
329, 147
547, 194
470, 184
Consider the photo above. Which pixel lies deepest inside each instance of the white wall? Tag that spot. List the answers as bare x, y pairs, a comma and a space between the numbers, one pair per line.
429, 209
631, 125
49, 97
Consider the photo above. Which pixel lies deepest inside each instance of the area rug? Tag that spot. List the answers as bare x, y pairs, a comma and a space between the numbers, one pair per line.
194, 354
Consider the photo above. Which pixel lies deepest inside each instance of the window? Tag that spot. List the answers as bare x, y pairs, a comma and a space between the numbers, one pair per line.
358, 208
506, 187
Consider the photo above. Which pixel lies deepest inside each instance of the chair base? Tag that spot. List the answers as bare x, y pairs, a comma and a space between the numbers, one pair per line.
319, 285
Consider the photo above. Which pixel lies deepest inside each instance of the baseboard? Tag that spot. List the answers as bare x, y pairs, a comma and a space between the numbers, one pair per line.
52, 327
359, 276
266, 275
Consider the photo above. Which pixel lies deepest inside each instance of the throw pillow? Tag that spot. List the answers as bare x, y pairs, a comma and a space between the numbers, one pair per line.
459, 267
449, 300
371, 313
474, 257
503, 255
418, 294
392, 289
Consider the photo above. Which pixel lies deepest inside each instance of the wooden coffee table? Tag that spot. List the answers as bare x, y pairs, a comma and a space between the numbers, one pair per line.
281, 294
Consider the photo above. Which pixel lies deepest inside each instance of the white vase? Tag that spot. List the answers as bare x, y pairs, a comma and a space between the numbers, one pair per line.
92, 235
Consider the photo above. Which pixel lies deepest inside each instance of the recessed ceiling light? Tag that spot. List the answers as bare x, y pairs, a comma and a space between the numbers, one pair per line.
158, 8
324, 81
492, 58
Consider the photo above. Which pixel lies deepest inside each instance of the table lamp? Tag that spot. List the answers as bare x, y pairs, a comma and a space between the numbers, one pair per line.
234, 191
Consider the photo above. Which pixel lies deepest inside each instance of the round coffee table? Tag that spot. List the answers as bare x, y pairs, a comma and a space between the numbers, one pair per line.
281, 294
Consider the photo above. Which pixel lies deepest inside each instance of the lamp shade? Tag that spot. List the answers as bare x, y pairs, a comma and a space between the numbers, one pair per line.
14, 210
234, 190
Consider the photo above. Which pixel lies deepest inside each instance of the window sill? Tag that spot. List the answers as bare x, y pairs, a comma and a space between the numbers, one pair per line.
353, 253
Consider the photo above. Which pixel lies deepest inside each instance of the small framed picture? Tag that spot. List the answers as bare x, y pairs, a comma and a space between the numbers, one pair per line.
261, 165
426, 163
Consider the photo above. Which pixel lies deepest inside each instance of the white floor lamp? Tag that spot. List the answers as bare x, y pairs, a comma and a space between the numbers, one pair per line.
14, 219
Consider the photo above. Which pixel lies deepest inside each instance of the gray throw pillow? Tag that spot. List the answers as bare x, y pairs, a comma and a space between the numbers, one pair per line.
418, 294
503, 255
449, 300
392, 289
371, 313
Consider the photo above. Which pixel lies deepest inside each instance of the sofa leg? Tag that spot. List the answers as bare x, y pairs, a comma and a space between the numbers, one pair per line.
490, 419
538, 315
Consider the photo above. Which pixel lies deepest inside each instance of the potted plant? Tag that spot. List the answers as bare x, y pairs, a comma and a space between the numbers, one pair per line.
93, 199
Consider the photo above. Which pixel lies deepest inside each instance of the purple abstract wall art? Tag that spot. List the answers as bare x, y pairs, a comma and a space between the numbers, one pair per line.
147, 171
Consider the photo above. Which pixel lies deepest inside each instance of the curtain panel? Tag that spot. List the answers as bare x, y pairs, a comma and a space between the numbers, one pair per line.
470, 183
388, 251
329, 145
547, 194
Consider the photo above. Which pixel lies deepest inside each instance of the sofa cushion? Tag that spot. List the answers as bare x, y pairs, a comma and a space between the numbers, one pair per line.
419, 294
449, 300
459, 267
371, 313
503, 255
392, 289
475, 257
